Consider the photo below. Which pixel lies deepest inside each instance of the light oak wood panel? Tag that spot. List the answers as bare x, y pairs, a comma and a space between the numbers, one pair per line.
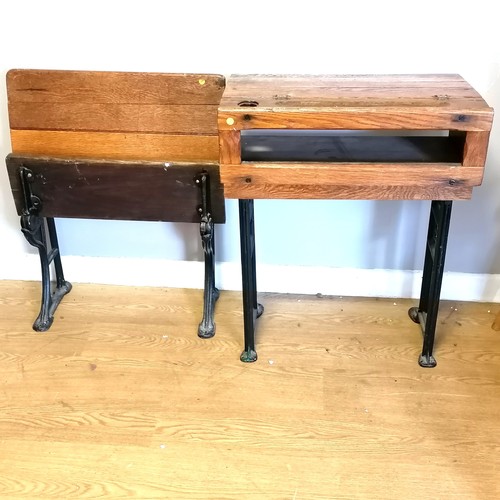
166, 119
115, 146
91, 87
337, 118
357, 174
235, 188
344, 181
230, 147
121, 398
475, 149
442, 90
445, 102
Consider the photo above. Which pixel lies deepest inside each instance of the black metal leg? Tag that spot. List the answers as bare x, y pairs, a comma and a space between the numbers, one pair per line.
427, 311
41, 233
251, 308
206, 328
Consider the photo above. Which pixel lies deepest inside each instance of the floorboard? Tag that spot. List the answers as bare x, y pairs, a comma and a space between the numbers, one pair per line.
120, 398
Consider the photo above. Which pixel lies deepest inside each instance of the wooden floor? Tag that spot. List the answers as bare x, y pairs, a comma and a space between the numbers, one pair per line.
122, 399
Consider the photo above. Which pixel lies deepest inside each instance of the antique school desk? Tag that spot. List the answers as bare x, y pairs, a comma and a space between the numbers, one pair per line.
399, 137
114, 145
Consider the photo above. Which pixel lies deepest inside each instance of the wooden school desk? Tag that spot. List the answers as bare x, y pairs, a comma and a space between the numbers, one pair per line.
369, 137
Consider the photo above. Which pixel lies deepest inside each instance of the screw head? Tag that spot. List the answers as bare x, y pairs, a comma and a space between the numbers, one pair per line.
230, 121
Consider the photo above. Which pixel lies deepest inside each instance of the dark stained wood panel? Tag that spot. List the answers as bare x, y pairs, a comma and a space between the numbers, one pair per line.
117, 190
101, 87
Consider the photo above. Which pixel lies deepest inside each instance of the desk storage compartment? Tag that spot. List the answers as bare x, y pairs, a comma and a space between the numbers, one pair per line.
352, 146
352, 164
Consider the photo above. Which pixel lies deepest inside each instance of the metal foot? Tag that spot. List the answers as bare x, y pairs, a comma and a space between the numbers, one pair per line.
427, 361
46, 316
206, 328
248, 356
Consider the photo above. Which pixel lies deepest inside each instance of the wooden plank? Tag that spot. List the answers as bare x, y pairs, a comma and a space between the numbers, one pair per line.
115, 146
356, 181
357, 174
355, 119
157, 118
118, 190
287, 91
475, 149
93, 87
445, 102
234, 188
332, 98
230, 146
304, 81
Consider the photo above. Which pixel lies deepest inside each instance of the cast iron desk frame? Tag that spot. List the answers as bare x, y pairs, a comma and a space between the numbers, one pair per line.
370, 102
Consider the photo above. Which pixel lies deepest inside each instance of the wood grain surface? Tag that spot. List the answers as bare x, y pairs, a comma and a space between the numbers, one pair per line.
108, 87
353, 102
476, 149
229, 147
122, 399
376, 175
342, 118
115, 146
235, 187
109, 115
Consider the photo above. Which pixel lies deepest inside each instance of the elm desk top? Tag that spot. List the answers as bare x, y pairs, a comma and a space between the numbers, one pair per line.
352, 137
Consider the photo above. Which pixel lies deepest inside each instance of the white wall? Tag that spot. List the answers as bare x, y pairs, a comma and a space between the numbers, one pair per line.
265, 37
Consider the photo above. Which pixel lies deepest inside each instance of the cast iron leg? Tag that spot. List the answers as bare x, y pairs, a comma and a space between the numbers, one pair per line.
251, 308
427, 311
206, 328
41, 233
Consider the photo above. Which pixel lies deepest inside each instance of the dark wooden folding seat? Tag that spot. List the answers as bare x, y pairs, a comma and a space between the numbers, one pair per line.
107, 145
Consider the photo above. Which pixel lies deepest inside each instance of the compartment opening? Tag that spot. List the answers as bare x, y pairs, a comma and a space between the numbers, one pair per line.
353, 146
